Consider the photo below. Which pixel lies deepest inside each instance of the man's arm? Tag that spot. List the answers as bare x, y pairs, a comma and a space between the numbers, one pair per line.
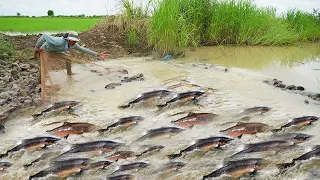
85, 50
49, 39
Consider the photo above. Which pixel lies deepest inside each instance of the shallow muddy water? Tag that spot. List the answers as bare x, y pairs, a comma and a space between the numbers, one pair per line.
237, 89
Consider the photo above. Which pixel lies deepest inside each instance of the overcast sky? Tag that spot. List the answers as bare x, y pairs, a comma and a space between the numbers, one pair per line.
103, 7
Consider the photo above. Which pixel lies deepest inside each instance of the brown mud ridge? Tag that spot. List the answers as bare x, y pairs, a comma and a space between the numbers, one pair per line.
102, 37
294, 89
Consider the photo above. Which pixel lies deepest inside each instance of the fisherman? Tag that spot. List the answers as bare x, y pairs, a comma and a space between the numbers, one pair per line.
60, 46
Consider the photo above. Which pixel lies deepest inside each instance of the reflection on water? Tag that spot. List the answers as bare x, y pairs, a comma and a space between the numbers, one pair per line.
236, 90
298, 65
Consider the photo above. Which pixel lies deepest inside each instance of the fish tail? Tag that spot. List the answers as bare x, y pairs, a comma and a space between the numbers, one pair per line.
162, 105
124, 106
216, 173
173, 156
276, 130
284, 166
4, 155
140, 139
26, 166
39, 174
36, 116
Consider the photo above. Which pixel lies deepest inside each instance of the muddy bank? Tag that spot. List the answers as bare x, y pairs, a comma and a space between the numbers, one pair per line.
18, 86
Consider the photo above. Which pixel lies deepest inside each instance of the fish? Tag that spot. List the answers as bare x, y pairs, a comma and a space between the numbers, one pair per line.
120, 155
121, 177
295, 137
151, 149
153, 133
2, 128
4, 165
147, 96
170, 167
100, 164
257, 109
245, 128
103, 146
238, 168
275, 145
44, 156
131, 166
32, 144
64, 168
299, 122
58, 106
124, 122
193, 119
315, 152
72, 128
203, 145
184, 97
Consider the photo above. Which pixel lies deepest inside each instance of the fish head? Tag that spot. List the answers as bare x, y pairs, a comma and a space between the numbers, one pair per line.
210, 90
314, 119
260, 164
300, 138
51, 140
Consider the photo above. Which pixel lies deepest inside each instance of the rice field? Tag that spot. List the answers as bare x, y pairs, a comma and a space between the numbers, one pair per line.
34, 25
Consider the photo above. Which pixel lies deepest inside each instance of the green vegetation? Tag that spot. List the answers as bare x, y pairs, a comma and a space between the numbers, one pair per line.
50, 13
6, 48
175, 25
33, 25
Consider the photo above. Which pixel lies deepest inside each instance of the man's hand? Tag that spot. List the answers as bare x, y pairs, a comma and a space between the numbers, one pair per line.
103, 55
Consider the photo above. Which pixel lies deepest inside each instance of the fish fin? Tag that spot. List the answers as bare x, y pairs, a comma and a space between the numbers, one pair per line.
162, 105
26, 166
190, 127
173, 156
191, 113
66, 137
276, 130
238, 123
124, 106
239, 137
39, 174
36, 116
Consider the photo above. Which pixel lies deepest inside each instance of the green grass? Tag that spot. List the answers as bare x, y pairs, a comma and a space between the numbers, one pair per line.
6, 48
33, 25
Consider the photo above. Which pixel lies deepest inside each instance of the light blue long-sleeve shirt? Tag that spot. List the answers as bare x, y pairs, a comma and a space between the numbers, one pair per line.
59, 45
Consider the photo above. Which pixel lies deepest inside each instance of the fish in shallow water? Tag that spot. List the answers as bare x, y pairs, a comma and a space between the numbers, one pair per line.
72, 128
299, 122
121, 177
238, 168
315, 152
120, 155
245, 128
193, 119
275, 145
102, 146
294, 137
253, 110
203, 145
32, 144
148, 96
100, 164
170, 167
153, 133
184, 97
4, 165
131, 166
64, 168
58, 106
124, 122
44, 156
151, 149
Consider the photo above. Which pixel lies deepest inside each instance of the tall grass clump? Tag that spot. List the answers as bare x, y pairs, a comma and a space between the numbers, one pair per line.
132, 22
177, 24
6, 48
242, 22
306, 25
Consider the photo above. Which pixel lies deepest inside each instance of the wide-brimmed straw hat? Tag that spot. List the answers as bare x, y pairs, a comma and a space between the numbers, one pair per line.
72, 36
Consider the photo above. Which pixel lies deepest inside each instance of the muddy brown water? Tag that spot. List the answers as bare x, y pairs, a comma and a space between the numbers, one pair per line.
238, 88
